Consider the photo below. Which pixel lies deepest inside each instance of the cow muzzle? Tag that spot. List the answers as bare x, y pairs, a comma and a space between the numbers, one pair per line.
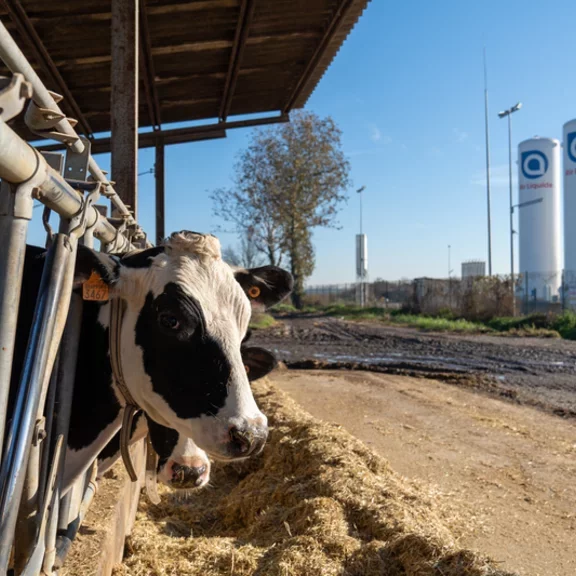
183, 476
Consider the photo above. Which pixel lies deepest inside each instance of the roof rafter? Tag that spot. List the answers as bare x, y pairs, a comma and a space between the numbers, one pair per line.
240, 38
147, 63
333, 26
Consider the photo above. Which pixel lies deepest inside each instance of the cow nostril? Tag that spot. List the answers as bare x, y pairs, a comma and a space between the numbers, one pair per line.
240, 440
199, 471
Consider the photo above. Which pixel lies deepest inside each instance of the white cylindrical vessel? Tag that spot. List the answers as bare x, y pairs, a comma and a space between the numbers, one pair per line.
361, 255
539, 218
569, 170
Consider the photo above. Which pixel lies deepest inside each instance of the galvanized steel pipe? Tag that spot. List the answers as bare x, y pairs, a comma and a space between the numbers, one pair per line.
15, 60
19, 162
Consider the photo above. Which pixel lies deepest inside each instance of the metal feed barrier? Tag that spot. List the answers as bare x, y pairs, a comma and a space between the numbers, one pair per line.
37, 525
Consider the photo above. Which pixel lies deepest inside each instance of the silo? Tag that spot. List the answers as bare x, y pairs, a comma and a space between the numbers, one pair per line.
539, 218
570, 211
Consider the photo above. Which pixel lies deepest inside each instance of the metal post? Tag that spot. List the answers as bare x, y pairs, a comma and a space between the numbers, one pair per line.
508, 113
362, 299
159, 174
21, 163
511, 216
49, 317
15, 60
124, 100
449, 277
487, 168
527, 285
65, 540
15, 213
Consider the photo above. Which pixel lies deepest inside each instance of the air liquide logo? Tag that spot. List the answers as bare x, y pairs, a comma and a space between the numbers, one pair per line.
534, 164
571, 145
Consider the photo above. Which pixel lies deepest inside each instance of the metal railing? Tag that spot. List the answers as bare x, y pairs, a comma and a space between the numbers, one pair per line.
479, 297
36, 524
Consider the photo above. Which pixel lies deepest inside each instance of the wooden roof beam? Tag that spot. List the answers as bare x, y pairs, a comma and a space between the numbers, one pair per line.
149, 74
29, 34
240, 38
179, 135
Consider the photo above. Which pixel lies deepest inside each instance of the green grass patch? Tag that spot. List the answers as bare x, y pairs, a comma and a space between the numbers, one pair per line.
565, 325
261, 320
433, 324
533, 325
355, 312
542, 325
426, 323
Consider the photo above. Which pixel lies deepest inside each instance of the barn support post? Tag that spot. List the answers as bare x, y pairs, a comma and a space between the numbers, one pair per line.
124, 100
160, 194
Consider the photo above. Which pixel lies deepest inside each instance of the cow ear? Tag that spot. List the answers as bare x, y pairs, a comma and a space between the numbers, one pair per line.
258, 362
266, 285
89, 261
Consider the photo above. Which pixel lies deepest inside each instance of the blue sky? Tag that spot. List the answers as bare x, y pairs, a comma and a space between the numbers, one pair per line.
407, 90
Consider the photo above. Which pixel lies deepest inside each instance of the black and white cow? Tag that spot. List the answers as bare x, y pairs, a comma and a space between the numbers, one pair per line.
182, 465
186, 315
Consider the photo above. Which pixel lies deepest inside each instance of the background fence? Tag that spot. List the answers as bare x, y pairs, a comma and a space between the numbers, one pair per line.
475, 298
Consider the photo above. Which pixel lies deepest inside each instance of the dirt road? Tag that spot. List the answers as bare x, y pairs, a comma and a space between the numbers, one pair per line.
536, 372
507, 469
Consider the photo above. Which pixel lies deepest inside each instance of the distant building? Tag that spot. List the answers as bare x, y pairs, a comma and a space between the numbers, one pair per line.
473, 269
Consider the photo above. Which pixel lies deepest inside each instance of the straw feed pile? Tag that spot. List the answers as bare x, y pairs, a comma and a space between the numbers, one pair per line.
316, 502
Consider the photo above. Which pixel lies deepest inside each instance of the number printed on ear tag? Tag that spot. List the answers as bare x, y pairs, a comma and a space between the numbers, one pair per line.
95, 289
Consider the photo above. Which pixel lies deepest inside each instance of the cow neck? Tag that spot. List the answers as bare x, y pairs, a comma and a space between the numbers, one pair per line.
117, 309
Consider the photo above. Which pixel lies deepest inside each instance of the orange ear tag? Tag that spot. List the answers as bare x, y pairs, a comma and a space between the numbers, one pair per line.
254, 292
95, 289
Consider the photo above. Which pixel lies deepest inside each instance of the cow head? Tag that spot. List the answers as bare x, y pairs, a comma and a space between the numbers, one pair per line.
186, 315
181, 464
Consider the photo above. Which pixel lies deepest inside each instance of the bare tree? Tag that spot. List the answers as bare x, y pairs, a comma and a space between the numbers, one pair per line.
290, 180
246, 254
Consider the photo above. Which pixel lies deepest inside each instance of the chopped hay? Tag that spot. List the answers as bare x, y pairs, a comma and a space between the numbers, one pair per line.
317, 501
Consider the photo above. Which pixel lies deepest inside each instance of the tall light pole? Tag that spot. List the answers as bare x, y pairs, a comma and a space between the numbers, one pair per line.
450, 275
359, 191
360, 256
487, 168
508, 113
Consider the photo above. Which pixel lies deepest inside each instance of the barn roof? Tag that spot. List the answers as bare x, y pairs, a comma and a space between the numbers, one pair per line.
199, 60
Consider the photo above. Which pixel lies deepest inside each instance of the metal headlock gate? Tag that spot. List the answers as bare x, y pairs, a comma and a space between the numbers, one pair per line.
36, 524
276, 55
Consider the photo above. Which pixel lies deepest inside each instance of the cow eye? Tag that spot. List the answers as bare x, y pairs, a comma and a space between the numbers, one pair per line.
170, 322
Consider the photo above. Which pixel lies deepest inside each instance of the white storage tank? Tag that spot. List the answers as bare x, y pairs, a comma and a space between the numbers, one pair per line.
361, 255
569, 139
570, 196
539, 218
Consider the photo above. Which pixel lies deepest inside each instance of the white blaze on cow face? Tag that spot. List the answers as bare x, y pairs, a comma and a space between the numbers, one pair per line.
187, 313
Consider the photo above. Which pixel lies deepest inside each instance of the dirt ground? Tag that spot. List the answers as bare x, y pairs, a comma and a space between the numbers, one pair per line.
532, 371
510, 468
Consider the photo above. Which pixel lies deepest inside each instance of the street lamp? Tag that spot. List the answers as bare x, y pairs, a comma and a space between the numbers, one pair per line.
359, 191
489, 211
508, 113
